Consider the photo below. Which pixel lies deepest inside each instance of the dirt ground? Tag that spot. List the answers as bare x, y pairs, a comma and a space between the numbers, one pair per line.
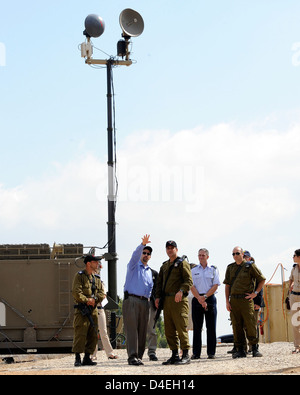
277, 360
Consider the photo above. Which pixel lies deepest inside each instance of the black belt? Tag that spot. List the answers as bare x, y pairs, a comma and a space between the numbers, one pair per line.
295, 293
238, 296
139, 297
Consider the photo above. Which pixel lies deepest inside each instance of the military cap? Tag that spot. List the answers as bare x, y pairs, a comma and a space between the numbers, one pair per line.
91, 258
171, 243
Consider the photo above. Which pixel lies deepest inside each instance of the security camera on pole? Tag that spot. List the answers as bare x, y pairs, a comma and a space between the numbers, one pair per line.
132, 25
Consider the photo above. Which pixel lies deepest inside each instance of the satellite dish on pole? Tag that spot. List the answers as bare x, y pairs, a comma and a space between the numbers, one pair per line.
131, 23
94, 26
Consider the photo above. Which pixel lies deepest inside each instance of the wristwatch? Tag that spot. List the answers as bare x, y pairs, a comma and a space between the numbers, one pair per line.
205, 296
255, 292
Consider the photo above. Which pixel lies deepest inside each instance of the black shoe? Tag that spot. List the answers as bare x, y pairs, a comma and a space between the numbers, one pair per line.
153, 357
87, 361
210, 356
233, 351
184, 361
239, 354
255, 352
77, 360
173, 360
77, 363
195, 357
185, 358
135, 362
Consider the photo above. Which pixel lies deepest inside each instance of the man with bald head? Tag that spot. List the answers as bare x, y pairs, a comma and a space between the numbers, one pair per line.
240, 280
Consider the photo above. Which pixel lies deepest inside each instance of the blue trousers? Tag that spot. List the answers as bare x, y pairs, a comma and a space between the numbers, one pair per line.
198, 314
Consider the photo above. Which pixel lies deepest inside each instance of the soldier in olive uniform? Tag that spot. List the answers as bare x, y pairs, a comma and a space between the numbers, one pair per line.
240, 280
87, 292
173, 284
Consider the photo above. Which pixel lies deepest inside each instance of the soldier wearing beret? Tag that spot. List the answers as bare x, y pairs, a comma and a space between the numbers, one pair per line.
87, 292
243, 281
173, 284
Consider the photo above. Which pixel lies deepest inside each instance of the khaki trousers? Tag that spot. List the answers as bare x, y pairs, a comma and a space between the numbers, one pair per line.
102, 326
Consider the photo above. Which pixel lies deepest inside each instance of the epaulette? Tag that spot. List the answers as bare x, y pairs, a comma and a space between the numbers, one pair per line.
215, 267
179, 260
294, 264
97, 275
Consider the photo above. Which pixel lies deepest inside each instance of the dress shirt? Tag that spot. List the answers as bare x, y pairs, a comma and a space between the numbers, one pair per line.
139, 277
205, 278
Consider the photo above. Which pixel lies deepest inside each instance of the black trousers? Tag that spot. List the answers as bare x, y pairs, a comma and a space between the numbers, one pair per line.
198, 314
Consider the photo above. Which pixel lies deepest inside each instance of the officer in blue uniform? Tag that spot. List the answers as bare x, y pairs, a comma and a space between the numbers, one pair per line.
204, 304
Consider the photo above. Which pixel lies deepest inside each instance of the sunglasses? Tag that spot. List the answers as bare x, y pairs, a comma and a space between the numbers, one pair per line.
146, 253
236, 253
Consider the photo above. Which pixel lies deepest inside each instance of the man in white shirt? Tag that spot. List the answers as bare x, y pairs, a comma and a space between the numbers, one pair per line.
204, 304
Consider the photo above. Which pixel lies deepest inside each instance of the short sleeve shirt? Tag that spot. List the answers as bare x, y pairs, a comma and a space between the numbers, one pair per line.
295, 277
205, 278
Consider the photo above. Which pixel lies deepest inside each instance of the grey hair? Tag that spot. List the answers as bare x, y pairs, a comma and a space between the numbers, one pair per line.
205, 250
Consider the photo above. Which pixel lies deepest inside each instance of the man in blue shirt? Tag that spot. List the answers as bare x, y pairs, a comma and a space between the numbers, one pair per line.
137, 292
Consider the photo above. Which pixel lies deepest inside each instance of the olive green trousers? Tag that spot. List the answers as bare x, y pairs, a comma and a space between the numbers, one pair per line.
243, 320
85, 337
176, 322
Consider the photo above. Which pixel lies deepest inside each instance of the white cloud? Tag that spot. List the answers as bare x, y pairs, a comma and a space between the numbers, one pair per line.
225, 175
62, 200
244, 176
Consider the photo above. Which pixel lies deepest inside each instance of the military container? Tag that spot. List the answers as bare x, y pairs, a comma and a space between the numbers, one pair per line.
36, 304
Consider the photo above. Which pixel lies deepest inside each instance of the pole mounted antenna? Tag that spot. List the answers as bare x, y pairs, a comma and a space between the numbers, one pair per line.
94, 26
132, 25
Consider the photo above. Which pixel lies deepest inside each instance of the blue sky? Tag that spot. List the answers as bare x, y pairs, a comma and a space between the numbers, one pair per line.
207, 121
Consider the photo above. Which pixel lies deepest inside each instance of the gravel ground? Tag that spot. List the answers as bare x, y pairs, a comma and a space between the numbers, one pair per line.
277, 360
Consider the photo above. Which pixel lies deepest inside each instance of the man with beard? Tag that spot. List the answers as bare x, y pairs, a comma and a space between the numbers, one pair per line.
137, 292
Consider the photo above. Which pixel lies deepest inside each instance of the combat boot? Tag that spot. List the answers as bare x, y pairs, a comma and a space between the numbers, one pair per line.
77, 360
255, 352
87, 361
185, 358
174, 358
240, 353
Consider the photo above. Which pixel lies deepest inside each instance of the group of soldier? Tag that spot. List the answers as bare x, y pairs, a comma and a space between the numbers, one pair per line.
169, 290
